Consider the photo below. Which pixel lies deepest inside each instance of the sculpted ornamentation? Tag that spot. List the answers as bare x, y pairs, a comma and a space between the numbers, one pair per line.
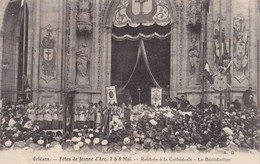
194, 55
83, 62
147, 12
240, 49
194, 12
84, 22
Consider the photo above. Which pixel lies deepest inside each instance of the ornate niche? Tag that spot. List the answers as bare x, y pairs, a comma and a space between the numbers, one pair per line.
84, 38
194, 53
84, 17
83, 65
194, 12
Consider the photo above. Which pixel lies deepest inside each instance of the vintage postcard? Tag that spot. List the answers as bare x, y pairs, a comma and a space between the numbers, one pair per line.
129, 81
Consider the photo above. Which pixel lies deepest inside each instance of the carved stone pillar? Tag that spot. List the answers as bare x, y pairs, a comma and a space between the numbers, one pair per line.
104, 64
194, 46
30, 42
174, 62
258, 58
36, 44
109, 45
1, 61
252, 46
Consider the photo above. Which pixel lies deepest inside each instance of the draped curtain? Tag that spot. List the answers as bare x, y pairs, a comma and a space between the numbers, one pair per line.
141, 58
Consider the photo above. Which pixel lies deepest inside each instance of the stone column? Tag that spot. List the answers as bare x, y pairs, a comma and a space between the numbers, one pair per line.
104, 64
108, 73
173, 58
60, 48
258, 56
30, 49
1, 59
252, 45
95, 51
35, 73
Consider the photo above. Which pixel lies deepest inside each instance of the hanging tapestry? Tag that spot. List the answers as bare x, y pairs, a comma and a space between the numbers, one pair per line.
48, 57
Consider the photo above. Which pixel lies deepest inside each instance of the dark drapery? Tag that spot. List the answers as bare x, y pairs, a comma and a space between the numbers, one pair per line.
124, 58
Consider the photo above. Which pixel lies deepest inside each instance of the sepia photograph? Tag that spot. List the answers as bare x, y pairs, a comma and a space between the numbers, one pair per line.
130, 81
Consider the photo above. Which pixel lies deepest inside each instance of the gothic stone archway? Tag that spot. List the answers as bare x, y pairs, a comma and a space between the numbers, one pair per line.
14, 45
136, 17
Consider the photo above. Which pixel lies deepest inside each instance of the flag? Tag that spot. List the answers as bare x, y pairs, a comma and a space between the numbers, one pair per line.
228, 66
22, 3
111, 95
208, 74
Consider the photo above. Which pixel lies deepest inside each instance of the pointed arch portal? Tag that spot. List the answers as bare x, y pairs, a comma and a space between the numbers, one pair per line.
14, 55
142, 61
128, 23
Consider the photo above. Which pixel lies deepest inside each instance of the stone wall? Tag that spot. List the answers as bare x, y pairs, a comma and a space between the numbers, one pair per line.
48, 54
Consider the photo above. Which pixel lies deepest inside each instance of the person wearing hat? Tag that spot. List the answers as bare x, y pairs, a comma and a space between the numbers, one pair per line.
76, 115
39, 116
60, 116
31, 112
91, 115
47, 116
82, 118
101, 110
184, 102
98, 116
115, 112
248, 97
237, 105
55, 121
148, 142
107, 118
181, 145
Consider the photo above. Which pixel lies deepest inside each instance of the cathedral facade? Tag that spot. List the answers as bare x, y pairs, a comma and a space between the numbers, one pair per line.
49, 49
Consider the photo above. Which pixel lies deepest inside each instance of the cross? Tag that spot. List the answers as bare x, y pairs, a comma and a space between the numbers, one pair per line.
141, 5
48, 55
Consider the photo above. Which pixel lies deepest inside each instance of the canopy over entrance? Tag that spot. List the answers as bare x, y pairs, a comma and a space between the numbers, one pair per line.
140, 60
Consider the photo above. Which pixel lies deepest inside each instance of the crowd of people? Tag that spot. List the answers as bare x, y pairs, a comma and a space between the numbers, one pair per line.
176, 126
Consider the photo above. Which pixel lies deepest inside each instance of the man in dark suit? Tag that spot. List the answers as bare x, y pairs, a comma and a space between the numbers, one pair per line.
248, 97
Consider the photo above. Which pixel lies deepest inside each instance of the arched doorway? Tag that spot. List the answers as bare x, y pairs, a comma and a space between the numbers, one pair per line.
138, 76
14, 58
120, 14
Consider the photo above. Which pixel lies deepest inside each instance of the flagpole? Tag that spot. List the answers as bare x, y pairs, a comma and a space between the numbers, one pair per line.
227, 72
220, 35
220, 60
204, 51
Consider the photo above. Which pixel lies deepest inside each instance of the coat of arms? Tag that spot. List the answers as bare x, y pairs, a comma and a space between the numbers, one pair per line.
240, 49
48, 55
141, 10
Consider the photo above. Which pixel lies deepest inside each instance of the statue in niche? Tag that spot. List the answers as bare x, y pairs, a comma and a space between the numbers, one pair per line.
194, 55
83, 62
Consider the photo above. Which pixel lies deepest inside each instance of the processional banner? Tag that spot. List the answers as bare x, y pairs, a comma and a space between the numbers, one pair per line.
156, 97
48, 58
111, 95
